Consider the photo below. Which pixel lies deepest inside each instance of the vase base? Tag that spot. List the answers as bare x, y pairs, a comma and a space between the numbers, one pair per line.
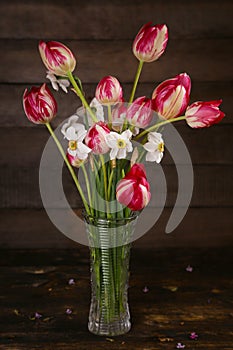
112, 329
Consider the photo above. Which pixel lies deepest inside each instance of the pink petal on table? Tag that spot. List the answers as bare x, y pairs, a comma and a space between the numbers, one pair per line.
71, 281
193, 336
189, 268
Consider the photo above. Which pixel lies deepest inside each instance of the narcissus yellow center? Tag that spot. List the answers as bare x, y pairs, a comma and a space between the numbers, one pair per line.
161, 147
121, 143
73, 145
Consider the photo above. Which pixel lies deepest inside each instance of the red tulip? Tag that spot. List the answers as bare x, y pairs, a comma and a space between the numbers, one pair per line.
109, 90
138, 170
204, 114
57, 57
150, 42
133, 190
139, 113
170, 98
95, 138
39, 104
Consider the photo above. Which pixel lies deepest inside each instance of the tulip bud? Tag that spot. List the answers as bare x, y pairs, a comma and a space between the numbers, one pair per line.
109, 90
118, 116
39, 104
139, 113
170, 98
138, 170
150, 42
95, 138
74, 160
204, 114
133, 190
57, 58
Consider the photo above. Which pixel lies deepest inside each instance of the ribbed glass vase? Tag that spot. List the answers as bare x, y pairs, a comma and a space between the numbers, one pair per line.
109, 241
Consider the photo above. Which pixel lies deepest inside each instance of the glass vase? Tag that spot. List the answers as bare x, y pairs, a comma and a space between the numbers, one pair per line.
109, 241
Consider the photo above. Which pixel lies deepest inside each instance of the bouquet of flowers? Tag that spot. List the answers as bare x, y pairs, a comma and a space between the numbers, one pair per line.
102, 144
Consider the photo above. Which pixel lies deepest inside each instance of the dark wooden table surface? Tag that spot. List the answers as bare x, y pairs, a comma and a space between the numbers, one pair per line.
177, 303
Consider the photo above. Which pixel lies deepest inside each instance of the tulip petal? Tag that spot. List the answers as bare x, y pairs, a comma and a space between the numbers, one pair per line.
150, 42
171, 97
39, 104
109, 90
204, 114
57, 57
134, 190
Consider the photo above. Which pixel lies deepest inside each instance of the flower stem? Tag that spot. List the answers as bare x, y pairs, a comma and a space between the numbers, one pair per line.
109, 116
71, 170
105, 183
140, 65
81, 96
141, 156
88, 187
110, 182
156, 126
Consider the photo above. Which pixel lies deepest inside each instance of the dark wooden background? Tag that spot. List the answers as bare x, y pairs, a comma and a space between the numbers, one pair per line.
100, 34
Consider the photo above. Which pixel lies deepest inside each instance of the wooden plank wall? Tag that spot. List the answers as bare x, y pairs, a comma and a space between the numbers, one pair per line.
100, 33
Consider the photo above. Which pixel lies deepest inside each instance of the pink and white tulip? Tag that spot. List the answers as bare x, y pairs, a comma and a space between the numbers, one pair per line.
57, 57
133, 190
150, 42
109, 90
39, 104
96, 138
170, 98
139, 113
204, 114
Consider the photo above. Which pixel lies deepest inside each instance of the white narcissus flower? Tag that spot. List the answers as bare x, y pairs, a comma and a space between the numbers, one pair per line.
56, 83
119, 143
154, 147
75, 133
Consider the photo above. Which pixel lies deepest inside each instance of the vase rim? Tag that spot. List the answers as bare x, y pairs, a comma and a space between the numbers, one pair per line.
90, 219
